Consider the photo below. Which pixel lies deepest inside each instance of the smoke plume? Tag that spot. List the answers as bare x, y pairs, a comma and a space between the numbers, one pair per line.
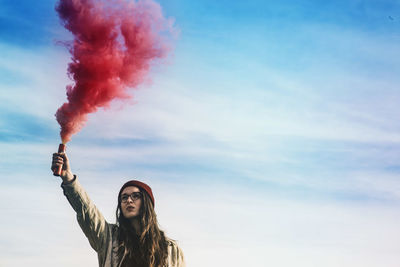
114, 45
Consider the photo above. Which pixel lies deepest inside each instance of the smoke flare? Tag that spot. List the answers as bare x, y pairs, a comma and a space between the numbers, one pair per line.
114, 44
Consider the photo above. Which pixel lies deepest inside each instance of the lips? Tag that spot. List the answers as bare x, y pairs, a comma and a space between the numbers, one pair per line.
130, 208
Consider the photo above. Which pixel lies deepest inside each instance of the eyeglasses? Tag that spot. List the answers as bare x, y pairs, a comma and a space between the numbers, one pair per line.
134, 196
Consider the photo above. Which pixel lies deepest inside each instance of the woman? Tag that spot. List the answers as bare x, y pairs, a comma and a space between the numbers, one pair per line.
135, 239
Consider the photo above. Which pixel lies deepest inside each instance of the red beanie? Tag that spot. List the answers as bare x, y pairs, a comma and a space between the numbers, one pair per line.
141, 185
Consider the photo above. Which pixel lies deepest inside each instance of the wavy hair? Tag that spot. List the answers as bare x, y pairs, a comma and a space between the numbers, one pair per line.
147, 248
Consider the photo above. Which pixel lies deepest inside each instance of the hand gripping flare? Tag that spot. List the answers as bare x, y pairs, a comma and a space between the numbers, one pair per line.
57, 170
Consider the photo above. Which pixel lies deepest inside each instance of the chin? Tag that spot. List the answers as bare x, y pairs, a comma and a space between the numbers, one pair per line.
131, 215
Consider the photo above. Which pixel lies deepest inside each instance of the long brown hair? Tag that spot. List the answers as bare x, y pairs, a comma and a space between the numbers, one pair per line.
146, 249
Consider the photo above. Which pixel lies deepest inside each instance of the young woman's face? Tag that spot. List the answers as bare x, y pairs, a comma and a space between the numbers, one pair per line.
131, 201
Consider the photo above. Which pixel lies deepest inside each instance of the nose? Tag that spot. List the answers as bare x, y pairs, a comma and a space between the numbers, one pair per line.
129, 200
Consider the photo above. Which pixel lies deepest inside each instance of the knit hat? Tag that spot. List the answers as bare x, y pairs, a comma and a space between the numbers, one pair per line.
141, 185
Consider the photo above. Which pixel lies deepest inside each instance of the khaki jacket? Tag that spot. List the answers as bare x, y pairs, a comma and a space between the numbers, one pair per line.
103, 235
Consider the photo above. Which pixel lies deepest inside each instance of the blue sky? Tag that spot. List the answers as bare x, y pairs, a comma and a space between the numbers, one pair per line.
271, 130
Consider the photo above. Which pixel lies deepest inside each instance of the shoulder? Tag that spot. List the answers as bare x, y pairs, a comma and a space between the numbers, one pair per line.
175, 254
171, 242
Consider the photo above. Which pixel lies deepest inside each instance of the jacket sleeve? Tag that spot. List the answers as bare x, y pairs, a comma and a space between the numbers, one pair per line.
89, 217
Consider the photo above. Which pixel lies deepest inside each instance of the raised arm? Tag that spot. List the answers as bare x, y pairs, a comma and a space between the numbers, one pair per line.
89, 217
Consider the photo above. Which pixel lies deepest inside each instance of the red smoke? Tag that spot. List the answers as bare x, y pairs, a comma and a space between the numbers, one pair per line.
114, 43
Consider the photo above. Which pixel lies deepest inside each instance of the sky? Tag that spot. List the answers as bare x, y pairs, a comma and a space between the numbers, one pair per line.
270, 136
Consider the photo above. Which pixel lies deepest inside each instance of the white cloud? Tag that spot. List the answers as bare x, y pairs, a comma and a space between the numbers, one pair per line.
39, 80
215, 224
